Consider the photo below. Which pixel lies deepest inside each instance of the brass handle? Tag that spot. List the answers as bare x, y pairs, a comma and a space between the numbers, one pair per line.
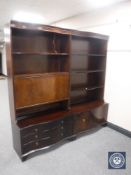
36, 130
62, 127
36, 136
36, 143
83, 120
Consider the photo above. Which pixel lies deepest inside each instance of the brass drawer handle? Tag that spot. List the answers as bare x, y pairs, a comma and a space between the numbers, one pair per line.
84, 120
36, 136
36, 129
36, 143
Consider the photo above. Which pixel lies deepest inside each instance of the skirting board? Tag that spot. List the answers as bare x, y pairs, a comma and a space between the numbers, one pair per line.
119, 129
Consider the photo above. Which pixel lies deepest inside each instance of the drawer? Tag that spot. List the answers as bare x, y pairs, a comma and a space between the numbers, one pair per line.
81, 122
40, 131
49, 132
52, 137
38, 128
35, 145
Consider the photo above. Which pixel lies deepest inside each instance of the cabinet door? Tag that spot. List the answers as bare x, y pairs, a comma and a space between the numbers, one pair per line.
35, 90
81, 122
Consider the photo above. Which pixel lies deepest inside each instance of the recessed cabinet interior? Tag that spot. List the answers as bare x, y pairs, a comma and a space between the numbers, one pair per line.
56, 84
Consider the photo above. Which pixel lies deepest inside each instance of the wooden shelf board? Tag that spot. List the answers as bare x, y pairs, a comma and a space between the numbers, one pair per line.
88, 54
40, 53
84, 86
84, 70
50, 102
41, 74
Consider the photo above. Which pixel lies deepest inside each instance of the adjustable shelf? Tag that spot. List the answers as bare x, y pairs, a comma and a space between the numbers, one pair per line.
74, 71
41, 74
84, 86
40, 53
79, 53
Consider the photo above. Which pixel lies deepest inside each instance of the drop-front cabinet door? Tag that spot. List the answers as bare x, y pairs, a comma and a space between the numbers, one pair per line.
40, 89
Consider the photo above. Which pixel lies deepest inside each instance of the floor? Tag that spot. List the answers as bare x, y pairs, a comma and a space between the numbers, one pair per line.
86, 155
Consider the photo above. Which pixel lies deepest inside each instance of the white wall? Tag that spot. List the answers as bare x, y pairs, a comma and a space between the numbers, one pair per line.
4, 101
115, 22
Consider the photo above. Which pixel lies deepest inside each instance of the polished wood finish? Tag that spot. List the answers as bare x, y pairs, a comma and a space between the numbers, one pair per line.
36, 89
56, 84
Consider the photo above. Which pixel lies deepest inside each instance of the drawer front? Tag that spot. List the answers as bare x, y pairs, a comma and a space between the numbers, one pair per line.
35, 145
47, 134
81, 122
38, 132
44, 139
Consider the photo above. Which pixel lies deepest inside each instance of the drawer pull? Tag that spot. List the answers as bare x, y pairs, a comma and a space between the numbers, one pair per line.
36, 129
36, 136
83, 120
62, 127
36, 143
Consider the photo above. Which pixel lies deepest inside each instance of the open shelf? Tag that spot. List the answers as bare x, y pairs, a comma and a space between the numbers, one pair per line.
83, 95
40, 63
37, 118
31, 41
97, 47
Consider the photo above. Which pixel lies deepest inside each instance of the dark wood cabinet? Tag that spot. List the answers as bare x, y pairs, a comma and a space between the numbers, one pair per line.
56, 83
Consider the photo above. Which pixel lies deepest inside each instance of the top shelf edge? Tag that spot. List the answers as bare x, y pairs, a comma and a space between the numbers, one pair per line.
38, 53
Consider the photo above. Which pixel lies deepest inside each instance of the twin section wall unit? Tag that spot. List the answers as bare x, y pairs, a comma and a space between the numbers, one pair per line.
56, 83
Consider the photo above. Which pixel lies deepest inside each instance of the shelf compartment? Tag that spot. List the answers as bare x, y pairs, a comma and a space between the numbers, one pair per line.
97, 46
40, 89
40, 64
88, 62
79, 61
80, 42
78, 77
49, 117
86, 95
96, 63
95, 79
39, 41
